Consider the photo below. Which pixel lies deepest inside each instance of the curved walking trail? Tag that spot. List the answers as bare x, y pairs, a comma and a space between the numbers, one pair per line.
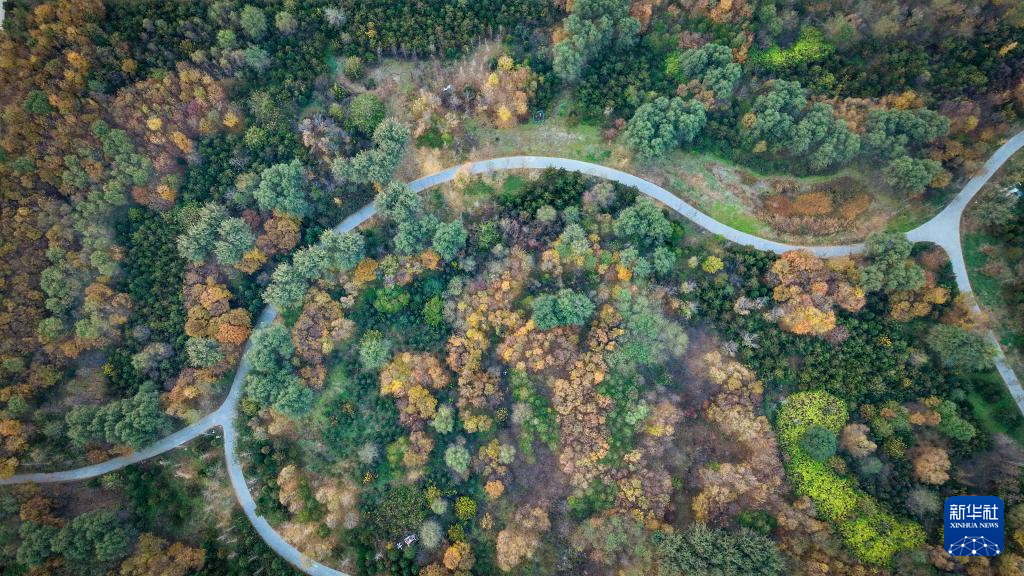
943, 229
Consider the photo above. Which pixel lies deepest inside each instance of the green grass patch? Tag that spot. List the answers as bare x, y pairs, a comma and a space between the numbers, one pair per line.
993, 406
985, 287
734, 215
477, 188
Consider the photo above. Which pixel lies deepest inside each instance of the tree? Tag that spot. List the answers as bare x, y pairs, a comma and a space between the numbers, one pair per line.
287, 288
890, 134
703, 550
856, 442
374, 350
376, 165
94, 536
890, 269
959, 349
134, 421
465, 508
564, 308
711, 64
257, 58
444, 419
270, 349
591, 27
431, 534
911, 175
253, 22
285, 23
153, 556
819, 443
774, 116
367, 112
353, 68
450, 239
37, 103
282, 190
401, 511
456, 457
234, 239
643, 224
931, 465
199, 238
663, 125
825, 139
344, 251
36, 543
203, 352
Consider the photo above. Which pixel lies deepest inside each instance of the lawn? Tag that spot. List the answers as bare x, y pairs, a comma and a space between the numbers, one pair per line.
993, 406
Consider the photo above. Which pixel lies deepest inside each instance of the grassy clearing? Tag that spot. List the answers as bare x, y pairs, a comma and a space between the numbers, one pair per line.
986, 288
993, 406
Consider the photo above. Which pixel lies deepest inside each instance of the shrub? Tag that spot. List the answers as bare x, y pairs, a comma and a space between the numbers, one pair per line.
564, 308
465, 508
819, 443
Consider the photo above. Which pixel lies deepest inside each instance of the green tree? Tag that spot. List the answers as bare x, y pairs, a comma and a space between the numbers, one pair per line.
94, 536
663, 125
199, 238
775, 115
819, 443
285, 23
36, 543
399, 512
890, 269
367, 112
271, 348
282, 189
253, 22
952, 424
564, 308
257, 58
134, 421
377, 164
457, 458
234, 239
703, 550
344, 251
890, 134
374, 350
826, 140
959, 349
203, 352
287, 288
711, 64
450, 239
643, 224
911, 175
591, 27
353, 68
37, 103
444, 420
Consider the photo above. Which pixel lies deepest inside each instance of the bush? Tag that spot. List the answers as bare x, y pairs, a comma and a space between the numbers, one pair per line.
465, 508
564, 308
819, 443
366, 112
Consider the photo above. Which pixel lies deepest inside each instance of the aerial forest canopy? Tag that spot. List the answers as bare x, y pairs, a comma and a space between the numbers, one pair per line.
525, 371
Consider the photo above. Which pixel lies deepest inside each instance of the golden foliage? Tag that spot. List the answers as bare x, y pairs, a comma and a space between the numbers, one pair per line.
408, 378
154, 557
808, 288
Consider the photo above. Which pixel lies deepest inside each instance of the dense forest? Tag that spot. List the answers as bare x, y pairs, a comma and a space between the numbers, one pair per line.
534, 374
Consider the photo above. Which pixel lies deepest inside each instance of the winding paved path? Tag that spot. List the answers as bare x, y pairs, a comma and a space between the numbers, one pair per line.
943, 229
